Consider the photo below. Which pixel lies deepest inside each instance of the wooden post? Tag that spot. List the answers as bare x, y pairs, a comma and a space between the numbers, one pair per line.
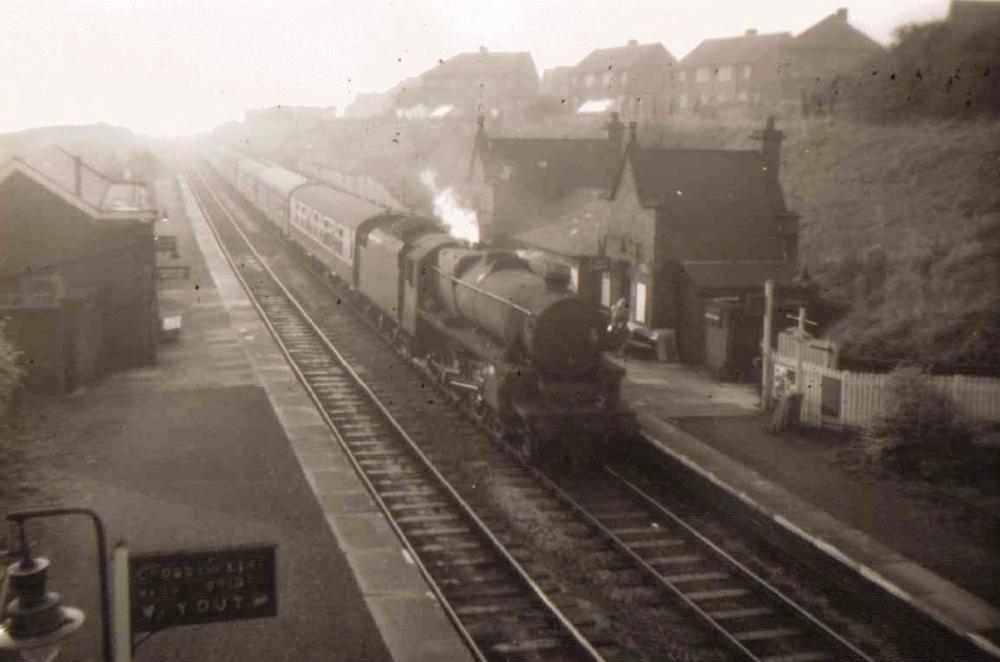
122, 605
800, 340
767, 366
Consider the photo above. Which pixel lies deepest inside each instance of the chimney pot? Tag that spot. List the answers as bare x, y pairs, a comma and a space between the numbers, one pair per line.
751, 32
633, 42
842, 14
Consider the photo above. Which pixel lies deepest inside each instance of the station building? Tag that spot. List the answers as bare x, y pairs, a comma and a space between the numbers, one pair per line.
77, 269
687, 237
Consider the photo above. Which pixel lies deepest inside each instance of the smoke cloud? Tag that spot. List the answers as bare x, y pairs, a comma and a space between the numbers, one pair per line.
462, 223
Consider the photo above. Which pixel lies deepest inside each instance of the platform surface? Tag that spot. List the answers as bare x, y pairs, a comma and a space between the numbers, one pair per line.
718, 431
219, 445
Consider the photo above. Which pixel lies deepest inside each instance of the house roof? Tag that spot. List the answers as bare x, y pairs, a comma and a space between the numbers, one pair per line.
735, 50
82, 185
486, 65
624, 57
737, 274
835, 33
974, 13
571, 226
692, 183
553, 165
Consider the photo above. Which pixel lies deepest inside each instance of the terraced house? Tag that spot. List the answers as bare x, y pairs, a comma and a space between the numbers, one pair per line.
633, 80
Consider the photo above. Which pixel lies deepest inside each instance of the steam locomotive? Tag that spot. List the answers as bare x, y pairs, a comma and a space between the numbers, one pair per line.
519, 351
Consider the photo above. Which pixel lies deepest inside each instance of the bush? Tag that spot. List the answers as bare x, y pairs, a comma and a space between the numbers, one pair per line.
10, 372
920, 428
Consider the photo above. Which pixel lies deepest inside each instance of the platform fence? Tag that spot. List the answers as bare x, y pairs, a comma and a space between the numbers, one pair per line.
841, 398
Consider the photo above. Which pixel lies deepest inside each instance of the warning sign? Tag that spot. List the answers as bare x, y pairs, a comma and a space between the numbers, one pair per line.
170, 589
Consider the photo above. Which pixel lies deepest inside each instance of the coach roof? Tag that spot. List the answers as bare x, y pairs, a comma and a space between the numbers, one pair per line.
342, 207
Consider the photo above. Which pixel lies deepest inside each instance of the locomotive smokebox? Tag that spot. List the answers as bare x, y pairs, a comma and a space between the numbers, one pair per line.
526, 313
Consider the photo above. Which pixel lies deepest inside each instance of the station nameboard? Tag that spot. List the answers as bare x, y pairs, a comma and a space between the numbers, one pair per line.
170, 589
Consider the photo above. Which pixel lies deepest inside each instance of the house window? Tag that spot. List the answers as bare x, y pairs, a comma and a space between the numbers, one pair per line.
747, 70
640, 303
723, 97
590, 80
702, 74
743, 96
681, 76
725, 73
606, 289
682, 101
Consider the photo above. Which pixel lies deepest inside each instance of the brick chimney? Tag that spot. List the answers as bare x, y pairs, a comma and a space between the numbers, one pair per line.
842, 14
750, 32
771, 139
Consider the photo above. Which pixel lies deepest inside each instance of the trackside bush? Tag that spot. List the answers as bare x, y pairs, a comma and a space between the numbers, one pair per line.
920, 428
10, 372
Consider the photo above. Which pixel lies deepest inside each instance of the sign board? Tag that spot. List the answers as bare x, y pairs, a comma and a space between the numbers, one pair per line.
170, 589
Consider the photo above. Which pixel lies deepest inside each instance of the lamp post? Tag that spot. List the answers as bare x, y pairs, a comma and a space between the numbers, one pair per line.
35, 623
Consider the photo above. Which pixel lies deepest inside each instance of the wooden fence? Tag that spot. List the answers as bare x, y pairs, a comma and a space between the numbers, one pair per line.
839, 398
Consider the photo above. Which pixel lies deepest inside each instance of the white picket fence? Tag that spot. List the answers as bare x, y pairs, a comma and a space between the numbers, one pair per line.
856, 399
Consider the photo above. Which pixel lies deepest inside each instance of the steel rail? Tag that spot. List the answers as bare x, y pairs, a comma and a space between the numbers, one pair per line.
756, 579
498, 547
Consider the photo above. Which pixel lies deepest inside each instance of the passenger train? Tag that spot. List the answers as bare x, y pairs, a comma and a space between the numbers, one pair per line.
521, 353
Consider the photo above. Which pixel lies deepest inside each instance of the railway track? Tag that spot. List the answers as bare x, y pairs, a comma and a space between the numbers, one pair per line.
759, 621
669, 570
500, 610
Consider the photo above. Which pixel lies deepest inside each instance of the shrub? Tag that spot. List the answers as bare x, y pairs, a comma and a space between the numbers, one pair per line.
10, 372
920, 428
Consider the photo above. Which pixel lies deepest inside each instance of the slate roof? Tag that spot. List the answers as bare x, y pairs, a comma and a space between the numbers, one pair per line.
835, 33
690, 183
486, 65
737, 274
98, 194
572, 225
735, 50
553, 165
623, 57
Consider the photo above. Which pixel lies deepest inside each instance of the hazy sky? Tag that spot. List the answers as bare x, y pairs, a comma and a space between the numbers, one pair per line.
171, 67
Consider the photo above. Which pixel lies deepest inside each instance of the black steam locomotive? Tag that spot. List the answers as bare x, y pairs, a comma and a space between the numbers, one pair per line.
520, 352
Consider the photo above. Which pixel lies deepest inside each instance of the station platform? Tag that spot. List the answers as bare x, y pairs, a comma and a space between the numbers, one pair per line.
917, 549
219, 445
